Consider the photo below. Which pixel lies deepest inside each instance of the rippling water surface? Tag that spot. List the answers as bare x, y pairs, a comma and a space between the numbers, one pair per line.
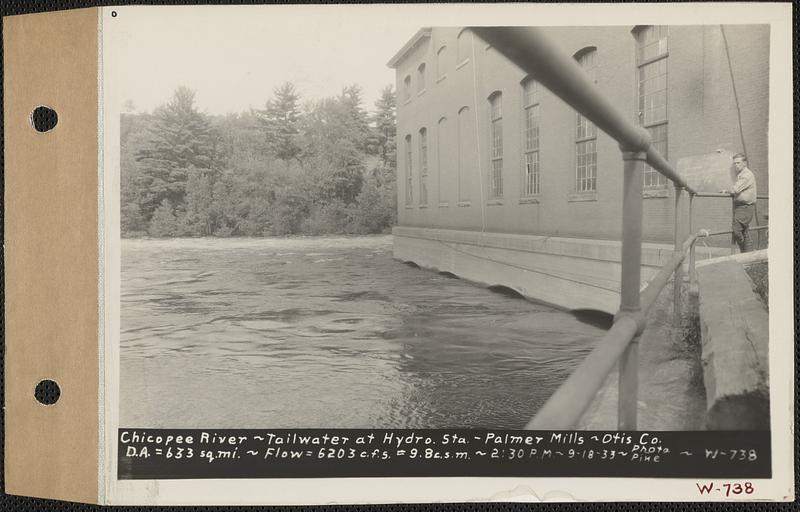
328, 332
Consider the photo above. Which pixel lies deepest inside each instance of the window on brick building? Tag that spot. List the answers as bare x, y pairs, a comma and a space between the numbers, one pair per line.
464, 128
407, 88
586, 166
586, 132
440, 160
441, 63
651, 64
423, 166
530, 138
496, 138
409, 177
421, 78
463, 47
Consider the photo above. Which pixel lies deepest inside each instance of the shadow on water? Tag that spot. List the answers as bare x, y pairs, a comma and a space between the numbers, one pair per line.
594, 318
411, 264
451, 275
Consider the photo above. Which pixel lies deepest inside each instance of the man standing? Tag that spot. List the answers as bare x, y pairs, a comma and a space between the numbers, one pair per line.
744, 198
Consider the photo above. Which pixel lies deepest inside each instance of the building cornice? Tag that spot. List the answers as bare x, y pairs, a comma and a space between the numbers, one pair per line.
421, 35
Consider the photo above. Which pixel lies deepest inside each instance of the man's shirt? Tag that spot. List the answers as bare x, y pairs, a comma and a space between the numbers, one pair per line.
744, 190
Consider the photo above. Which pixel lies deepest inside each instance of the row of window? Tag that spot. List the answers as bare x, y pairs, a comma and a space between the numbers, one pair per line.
652, 107
464, 42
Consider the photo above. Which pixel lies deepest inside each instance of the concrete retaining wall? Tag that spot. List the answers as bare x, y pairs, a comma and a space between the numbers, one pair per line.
735, 332
571, 273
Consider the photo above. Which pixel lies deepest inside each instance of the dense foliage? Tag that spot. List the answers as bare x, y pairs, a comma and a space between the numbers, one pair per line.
323, 167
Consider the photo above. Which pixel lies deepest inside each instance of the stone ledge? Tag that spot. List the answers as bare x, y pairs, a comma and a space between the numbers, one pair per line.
574, 197
655, 193
735, 333
653, 254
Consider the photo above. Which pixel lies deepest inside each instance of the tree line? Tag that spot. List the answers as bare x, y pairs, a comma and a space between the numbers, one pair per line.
319, 167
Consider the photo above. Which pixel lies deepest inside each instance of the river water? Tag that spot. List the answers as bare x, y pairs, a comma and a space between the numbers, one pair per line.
328, 332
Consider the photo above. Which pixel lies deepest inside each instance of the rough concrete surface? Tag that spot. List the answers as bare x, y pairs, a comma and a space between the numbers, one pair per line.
735, 332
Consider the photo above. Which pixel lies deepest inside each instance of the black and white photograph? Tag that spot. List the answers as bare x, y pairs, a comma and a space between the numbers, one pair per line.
334, 218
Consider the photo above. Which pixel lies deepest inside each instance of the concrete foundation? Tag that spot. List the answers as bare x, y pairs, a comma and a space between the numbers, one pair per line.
572, 273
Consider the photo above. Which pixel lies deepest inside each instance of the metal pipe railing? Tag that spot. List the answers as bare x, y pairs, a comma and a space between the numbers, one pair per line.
720, 194
677, 292
727, 195
661, 279
692, 259
630, 284
532, 51
728, 232
692, 275
566, 406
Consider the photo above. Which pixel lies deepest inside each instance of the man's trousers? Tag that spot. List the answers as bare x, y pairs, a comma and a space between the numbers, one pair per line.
742, 217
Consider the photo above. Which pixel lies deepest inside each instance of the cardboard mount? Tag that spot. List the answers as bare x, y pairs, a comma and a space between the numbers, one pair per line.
51, 256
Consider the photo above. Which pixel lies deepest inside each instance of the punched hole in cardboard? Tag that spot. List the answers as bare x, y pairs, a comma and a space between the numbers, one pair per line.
47, 392
43, 119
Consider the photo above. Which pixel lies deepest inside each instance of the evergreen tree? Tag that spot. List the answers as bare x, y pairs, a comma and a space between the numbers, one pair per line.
384, 120
281, 123
336, 131
180, 142
163, 222
133, 134
197, 219
375, 207
223, 209
355, 119
184, 173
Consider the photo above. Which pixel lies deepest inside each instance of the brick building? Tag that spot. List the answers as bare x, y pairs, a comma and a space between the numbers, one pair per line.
484, 150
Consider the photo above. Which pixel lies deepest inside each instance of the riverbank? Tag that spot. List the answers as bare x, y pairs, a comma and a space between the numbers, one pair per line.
759, 275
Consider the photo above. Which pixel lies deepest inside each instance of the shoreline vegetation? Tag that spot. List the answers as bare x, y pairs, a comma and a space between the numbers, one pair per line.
759, 275
319, 167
